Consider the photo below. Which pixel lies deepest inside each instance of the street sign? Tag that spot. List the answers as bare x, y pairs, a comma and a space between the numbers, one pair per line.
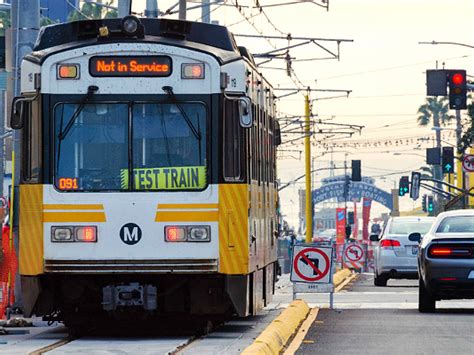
353, 256
312, 264
415, 185
468, 163
299, 287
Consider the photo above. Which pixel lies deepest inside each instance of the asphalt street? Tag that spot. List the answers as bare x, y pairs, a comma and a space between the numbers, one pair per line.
386, 321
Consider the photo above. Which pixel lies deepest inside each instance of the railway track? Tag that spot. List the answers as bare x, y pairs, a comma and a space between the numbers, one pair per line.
227, 337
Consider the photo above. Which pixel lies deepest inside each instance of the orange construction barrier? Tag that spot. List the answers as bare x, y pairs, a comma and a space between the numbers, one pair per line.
8, 269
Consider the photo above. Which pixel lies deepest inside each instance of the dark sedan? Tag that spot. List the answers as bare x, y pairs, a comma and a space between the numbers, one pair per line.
446, 259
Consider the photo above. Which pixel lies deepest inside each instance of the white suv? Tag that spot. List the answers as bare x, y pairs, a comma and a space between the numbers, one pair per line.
395, 256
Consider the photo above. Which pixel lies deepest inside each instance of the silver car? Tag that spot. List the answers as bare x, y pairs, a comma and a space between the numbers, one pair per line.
446, 259
395, 256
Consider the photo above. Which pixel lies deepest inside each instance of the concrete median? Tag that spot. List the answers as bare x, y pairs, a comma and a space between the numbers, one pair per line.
276, 335
340, 276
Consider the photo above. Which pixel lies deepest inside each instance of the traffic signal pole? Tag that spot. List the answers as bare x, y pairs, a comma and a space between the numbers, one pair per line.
460, 177
307, 153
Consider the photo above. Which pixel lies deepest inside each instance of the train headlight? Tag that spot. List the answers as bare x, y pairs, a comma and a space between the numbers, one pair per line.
192, 71
86, 234
62, 234
199, 234
68, 71
130, 25
187, 233
175, 234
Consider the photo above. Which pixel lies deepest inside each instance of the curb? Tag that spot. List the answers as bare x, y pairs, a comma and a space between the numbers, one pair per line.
274, 337
340, 276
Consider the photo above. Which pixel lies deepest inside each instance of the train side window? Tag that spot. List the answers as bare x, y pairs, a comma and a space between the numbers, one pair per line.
32, 144
232, 141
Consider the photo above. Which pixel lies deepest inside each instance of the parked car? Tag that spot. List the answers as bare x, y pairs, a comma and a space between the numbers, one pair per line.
446, 259
395, 257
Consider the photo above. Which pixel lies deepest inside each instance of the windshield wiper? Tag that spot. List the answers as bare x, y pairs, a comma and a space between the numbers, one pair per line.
90, 91
169, 91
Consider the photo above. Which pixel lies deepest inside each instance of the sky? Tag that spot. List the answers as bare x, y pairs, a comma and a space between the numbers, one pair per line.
384, 67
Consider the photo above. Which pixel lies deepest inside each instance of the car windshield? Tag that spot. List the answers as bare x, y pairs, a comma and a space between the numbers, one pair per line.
102, 145
456, 224
408, 227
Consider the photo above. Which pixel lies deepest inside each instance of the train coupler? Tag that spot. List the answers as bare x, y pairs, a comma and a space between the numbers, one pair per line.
131, 295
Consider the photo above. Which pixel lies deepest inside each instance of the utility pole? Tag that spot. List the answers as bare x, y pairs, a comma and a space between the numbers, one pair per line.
437, 168
206, 11
124, 8
182, 10
151, 10
307, 152
25, 20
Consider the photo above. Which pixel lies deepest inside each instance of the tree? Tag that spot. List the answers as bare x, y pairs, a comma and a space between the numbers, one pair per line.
435, 111
94, 10
467, 139
4, 21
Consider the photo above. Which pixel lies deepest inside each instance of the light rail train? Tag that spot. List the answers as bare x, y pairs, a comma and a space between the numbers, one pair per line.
147, 178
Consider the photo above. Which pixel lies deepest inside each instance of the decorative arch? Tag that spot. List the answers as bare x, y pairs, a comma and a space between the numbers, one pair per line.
334, 188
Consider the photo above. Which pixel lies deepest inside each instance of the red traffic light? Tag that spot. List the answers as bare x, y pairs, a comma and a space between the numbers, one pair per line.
457, 79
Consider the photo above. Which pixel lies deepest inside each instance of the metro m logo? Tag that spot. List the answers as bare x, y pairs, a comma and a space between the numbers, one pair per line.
130, 233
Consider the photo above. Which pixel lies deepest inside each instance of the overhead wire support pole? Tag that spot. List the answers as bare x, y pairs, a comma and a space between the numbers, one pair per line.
307, 150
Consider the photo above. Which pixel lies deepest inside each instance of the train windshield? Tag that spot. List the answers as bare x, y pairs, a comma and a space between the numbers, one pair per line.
121, 146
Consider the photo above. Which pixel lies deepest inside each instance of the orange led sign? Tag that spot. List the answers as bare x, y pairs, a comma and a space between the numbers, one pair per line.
130, 66
67, 183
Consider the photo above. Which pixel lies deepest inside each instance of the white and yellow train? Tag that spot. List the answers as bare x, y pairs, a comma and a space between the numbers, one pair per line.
148, 172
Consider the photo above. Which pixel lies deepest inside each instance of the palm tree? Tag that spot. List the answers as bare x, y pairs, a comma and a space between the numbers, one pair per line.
435, 111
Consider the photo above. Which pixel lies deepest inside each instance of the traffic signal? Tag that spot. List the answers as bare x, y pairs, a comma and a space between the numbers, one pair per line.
423, 203
350, 217
430, 205
457, 89
415, 185
433, 156
356, 174
404, 186
346, 188
448, 160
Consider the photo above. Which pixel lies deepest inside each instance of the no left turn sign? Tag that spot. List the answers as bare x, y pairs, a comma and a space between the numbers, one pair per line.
311, 264
468, 163
354, 253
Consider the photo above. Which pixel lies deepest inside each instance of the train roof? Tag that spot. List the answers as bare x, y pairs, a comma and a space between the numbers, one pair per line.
213, 39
